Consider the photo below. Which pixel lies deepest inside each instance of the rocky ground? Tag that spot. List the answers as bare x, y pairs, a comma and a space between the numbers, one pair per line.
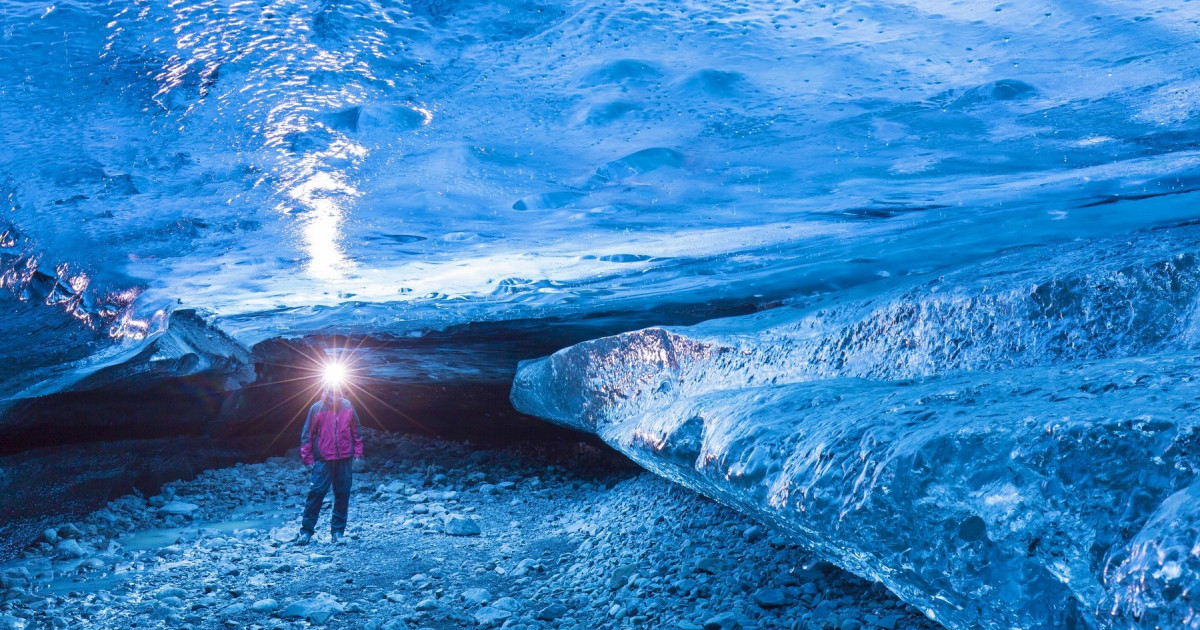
442, 535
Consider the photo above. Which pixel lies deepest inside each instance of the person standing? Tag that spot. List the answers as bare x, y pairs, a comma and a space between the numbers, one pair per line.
329, 444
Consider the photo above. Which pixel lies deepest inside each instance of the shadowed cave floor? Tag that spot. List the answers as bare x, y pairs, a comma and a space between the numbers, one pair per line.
569, 538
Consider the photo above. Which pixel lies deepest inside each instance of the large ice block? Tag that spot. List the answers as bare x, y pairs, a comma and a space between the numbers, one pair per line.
1004, 450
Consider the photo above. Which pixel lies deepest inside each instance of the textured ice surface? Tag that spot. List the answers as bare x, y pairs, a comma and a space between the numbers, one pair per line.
1013, 445
946, 197
391, 167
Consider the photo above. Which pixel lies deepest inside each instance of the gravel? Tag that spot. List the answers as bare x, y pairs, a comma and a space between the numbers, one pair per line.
442, 535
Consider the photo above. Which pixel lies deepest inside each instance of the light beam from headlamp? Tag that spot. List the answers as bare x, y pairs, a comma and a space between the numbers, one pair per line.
334, 375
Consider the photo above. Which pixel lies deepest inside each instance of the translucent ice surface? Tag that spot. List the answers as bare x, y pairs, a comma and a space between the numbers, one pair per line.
1013, 445
285, 167
973, 218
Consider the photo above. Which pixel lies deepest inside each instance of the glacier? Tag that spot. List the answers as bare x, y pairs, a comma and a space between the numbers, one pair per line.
915, 280
1013, 445
401, 167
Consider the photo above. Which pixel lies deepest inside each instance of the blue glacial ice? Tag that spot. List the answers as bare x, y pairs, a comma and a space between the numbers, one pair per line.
1012, 445
285, 168
933, 204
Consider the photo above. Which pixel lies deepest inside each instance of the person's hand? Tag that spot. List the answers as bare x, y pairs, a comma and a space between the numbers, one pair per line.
356, 465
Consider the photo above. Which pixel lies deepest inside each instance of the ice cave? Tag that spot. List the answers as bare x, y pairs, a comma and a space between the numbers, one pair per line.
578, 314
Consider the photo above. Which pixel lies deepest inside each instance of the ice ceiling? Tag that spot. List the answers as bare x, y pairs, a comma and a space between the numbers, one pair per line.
369, 167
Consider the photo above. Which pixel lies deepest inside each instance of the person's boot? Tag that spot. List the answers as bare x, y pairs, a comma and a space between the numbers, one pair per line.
337, 537
304, 539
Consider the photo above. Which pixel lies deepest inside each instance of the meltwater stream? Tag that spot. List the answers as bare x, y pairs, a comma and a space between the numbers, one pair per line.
920, 196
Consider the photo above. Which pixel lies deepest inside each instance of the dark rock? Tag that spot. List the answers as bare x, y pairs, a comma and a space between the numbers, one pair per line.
551, 612
770, 597
69, 531
709, 564
723, 621
888, 622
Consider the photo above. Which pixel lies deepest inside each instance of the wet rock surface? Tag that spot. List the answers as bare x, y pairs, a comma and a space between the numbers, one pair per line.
565, 540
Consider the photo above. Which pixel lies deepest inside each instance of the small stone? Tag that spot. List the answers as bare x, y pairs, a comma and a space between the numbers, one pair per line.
428, 603
9, 582
264, 606
709, 564
8, 622
507, 603
476, 595
723, 621
178, 508
69, 531
50, 536
851, 624
754, 533
526, 566
770, 597
459, 525
620, 576
554, 611
91, 564
70, 548
169, 591
285, 534
318, 609
396, 623
490, 615
687, 625
888, 623
18, 572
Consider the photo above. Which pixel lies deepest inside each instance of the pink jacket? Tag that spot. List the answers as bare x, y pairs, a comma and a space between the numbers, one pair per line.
334, 432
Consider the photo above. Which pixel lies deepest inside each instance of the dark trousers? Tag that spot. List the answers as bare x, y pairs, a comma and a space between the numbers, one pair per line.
339, 474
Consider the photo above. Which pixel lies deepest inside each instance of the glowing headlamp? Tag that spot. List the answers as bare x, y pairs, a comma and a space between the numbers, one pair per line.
334, 375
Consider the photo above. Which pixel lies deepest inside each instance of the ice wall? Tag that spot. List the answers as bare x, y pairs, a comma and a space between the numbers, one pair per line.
1011, 445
